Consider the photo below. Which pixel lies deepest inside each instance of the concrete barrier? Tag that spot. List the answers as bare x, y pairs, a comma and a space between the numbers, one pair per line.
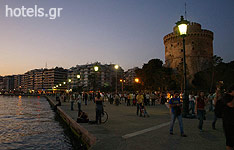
76, 128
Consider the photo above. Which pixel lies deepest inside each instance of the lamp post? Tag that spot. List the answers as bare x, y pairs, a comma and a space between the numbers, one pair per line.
116, 86
78, 80
137, 81
69, 81
122, 81
96, 68
182, 26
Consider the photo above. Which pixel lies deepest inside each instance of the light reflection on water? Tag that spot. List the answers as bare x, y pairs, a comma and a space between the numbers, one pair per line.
29, 123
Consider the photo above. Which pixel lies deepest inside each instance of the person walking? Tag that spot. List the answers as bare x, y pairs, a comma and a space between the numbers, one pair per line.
175, 110
228, 119
200, 109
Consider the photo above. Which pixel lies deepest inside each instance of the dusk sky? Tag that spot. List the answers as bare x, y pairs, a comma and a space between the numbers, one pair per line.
124, 32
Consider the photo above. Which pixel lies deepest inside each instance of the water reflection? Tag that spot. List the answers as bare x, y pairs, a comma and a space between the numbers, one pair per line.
28, 123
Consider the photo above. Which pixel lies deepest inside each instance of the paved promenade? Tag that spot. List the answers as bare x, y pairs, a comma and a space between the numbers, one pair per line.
126, 131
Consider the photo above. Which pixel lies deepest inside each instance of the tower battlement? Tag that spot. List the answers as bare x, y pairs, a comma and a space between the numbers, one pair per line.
198, 46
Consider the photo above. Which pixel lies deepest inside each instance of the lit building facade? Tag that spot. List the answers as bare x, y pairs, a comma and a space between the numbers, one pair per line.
86, 78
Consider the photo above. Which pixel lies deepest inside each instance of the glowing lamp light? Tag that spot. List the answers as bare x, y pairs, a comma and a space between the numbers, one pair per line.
96, 68
56, 85
183, 29
60, 84
78, 76
64, 82
137, 80
182, 26
69, 80
116, 67
121, 80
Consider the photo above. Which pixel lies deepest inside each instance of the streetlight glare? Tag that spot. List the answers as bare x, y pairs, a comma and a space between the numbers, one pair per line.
116, 67
60, 84
137, 80
183, 29
64, 82
121, 80
182, 26
69, 80
96, 68
78, 76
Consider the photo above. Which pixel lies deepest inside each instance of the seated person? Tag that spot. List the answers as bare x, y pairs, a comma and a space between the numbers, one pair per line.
83, 117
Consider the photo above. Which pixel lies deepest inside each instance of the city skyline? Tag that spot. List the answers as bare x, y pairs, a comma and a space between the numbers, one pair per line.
128, 33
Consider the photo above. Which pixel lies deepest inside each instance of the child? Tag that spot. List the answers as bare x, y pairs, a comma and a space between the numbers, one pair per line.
143, 110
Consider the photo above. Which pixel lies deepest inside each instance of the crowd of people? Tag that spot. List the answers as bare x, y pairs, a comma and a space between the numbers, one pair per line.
199, 104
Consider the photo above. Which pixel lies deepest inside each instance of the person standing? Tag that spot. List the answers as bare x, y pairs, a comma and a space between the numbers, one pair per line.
99, 108
128, 99
175, 110
147, 97
79, 99
200, 109
139, 99
218, 97
117, 99
228, 119
210, 99
85, 98
191, 102
153, 99
71, 100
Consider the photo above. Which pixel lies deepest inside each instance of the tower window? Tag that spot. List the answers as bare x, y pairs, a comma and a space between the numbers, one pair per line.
182, 50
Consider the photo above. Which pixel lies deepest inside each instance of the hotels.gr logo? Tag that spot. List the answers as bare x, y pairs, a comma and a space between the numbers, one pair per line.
52, 13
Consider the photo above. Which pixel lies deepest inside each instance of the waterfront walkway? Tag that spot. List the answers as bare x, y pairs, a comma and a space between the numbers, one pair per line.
126, 131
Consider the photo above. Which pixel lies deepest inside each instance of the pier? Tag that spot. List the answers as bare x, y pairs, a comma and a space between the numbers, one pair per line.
125, 130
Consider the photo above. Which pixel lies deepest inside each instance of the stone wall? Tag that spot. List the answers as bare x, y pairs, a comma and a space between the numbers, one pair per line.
198, 48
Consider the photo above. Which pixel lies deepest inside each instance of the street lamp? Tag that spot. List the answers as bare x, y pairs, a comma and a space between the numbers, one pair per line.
116, 68
122, 81
69, 81
182, 26
137, 80
96, 68
78, 76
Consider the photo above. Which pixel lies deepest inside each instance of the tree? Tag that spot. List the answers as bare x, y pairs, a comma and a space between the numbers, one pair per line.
155, 76
216, 60
220, 72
